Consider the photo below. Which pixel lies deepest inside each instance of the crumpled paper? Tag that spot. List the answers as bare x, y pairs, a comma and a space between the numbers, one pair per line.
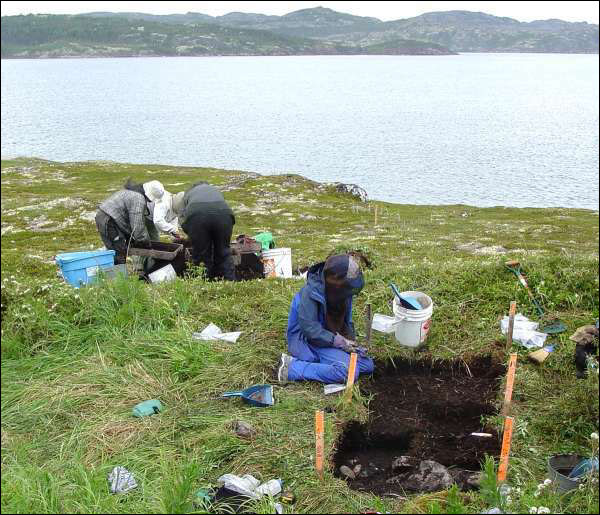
121, 481
524, 331
213, 332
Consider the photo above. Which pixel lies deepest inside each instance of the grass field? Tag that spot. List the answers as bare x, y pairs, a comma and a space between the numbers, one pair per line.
75, 362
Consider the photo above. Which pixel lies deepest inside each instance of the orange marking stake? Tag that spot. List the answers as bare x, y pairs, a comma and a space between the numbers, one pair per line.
511, 325
319, 442
504, 455
510, 381
351, 373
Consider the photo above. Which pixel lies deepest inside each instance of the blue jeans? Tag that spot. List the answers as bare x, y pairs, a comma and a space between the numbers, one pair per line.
325, 364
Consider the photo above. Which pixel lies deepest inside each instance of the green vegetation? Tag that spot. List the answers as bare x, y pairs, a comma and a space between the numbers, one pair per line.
75, 362
307, 31
86, 36
58, 36
401, 47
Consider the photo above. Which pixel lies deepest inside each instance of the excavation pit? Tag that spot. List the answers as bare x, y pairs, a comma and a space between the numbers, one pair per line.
422, 410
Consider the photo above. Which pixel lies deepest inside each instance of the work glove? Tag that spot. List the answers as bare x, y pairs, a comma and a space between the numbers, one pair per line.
339, 342
361, 351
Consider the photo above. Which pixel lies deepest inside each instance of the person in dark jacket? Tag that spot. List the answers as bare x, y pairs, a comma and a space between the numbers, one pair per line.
120, 220
320, 331
208, 221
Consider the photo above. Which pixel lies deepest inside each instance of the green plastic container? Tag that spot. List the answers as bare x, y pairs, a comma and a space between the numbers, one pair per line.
147, 408
266, 240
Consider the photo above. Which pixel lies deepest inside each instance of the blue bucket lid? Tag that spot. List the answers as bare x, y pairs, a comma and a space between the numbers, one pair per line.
70, 257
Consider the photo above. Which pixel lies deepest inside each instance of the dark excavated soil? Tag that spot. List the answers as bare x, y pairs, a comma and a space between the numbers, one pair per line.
424, 410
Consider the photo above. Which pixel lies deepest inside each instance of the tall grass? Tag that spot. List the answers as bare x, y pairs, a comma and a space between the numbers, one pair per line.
75, 362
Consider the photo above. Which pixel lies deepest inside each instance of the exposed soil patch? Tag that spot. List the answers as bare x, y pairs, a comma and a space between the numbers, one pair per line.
422, 411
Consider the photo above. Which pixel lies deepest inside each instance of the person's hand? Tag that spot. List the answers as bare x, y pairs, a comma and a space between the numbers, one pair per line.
176, 235
361, 351
339, 342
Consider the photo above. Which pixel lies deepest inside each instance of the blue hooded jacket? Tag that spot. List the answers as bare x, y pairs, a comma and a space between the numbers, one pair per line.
306, 322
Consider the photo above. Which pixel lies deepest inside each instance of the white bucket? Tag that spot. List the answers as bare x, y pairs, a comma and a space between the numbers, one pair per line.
277, 262
166, 273
412, 325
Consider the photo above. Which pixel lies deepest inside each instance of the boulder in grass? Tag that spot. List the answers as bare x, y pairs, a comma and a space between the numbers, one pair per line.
353, 189
243, 430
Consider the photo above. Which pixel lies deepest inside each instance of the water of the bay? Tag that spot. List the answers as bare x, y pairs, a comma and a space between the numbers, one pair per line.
479, 129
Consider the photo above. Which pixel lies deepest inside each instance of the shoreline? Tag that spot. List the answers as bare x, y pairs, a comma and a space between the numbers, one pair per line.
25, 58
231, 55
253, 174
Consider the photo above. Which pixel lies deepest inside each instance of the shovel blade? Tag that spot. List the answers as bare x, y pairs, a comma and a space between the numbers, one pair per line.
553, 328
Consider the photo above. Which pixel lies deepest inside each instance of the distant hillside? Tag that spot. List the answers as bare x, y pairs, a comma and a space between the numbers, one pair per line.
465, 31
72, 36
460, 31
304, 32
316, 22
105, 35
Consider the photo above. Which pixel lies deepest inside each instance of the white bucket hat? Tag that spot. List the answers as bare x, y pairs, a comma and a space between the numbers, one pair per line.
154, 190
177, 202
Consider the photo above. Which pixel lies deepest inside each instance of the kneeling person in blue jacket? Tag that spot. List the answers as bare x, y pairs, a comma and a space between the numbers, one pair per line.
320, 331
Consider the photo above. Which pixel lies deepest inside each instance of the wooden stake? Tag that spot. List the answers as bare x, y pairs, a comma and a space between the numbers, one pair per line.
351, 373
369, 324
319, 442
511, 325
504, 455
510, 381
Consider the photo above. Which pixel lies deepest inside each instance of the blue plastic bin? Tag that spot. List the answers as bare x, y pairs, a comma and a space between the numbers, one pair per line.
80, 268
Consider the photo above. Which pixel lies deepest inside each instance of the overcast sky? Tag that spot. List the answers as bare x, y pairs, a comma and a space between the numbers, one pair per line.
520, 10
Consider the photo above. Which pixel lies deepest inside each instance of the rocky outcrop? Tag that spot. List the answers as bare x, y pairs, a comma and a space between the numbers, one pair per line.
351, 189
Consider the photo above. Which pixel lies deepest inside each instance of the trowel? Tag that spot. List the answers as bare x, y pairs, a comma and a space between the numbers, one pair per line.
405, 302
260, 395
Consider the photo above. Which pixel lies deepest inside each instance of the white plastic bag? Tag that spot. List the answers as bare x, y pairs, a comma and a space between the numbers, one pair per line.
524, 332
213, 332
383, 323
328, 389
245, 485
121, 481
249, 486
